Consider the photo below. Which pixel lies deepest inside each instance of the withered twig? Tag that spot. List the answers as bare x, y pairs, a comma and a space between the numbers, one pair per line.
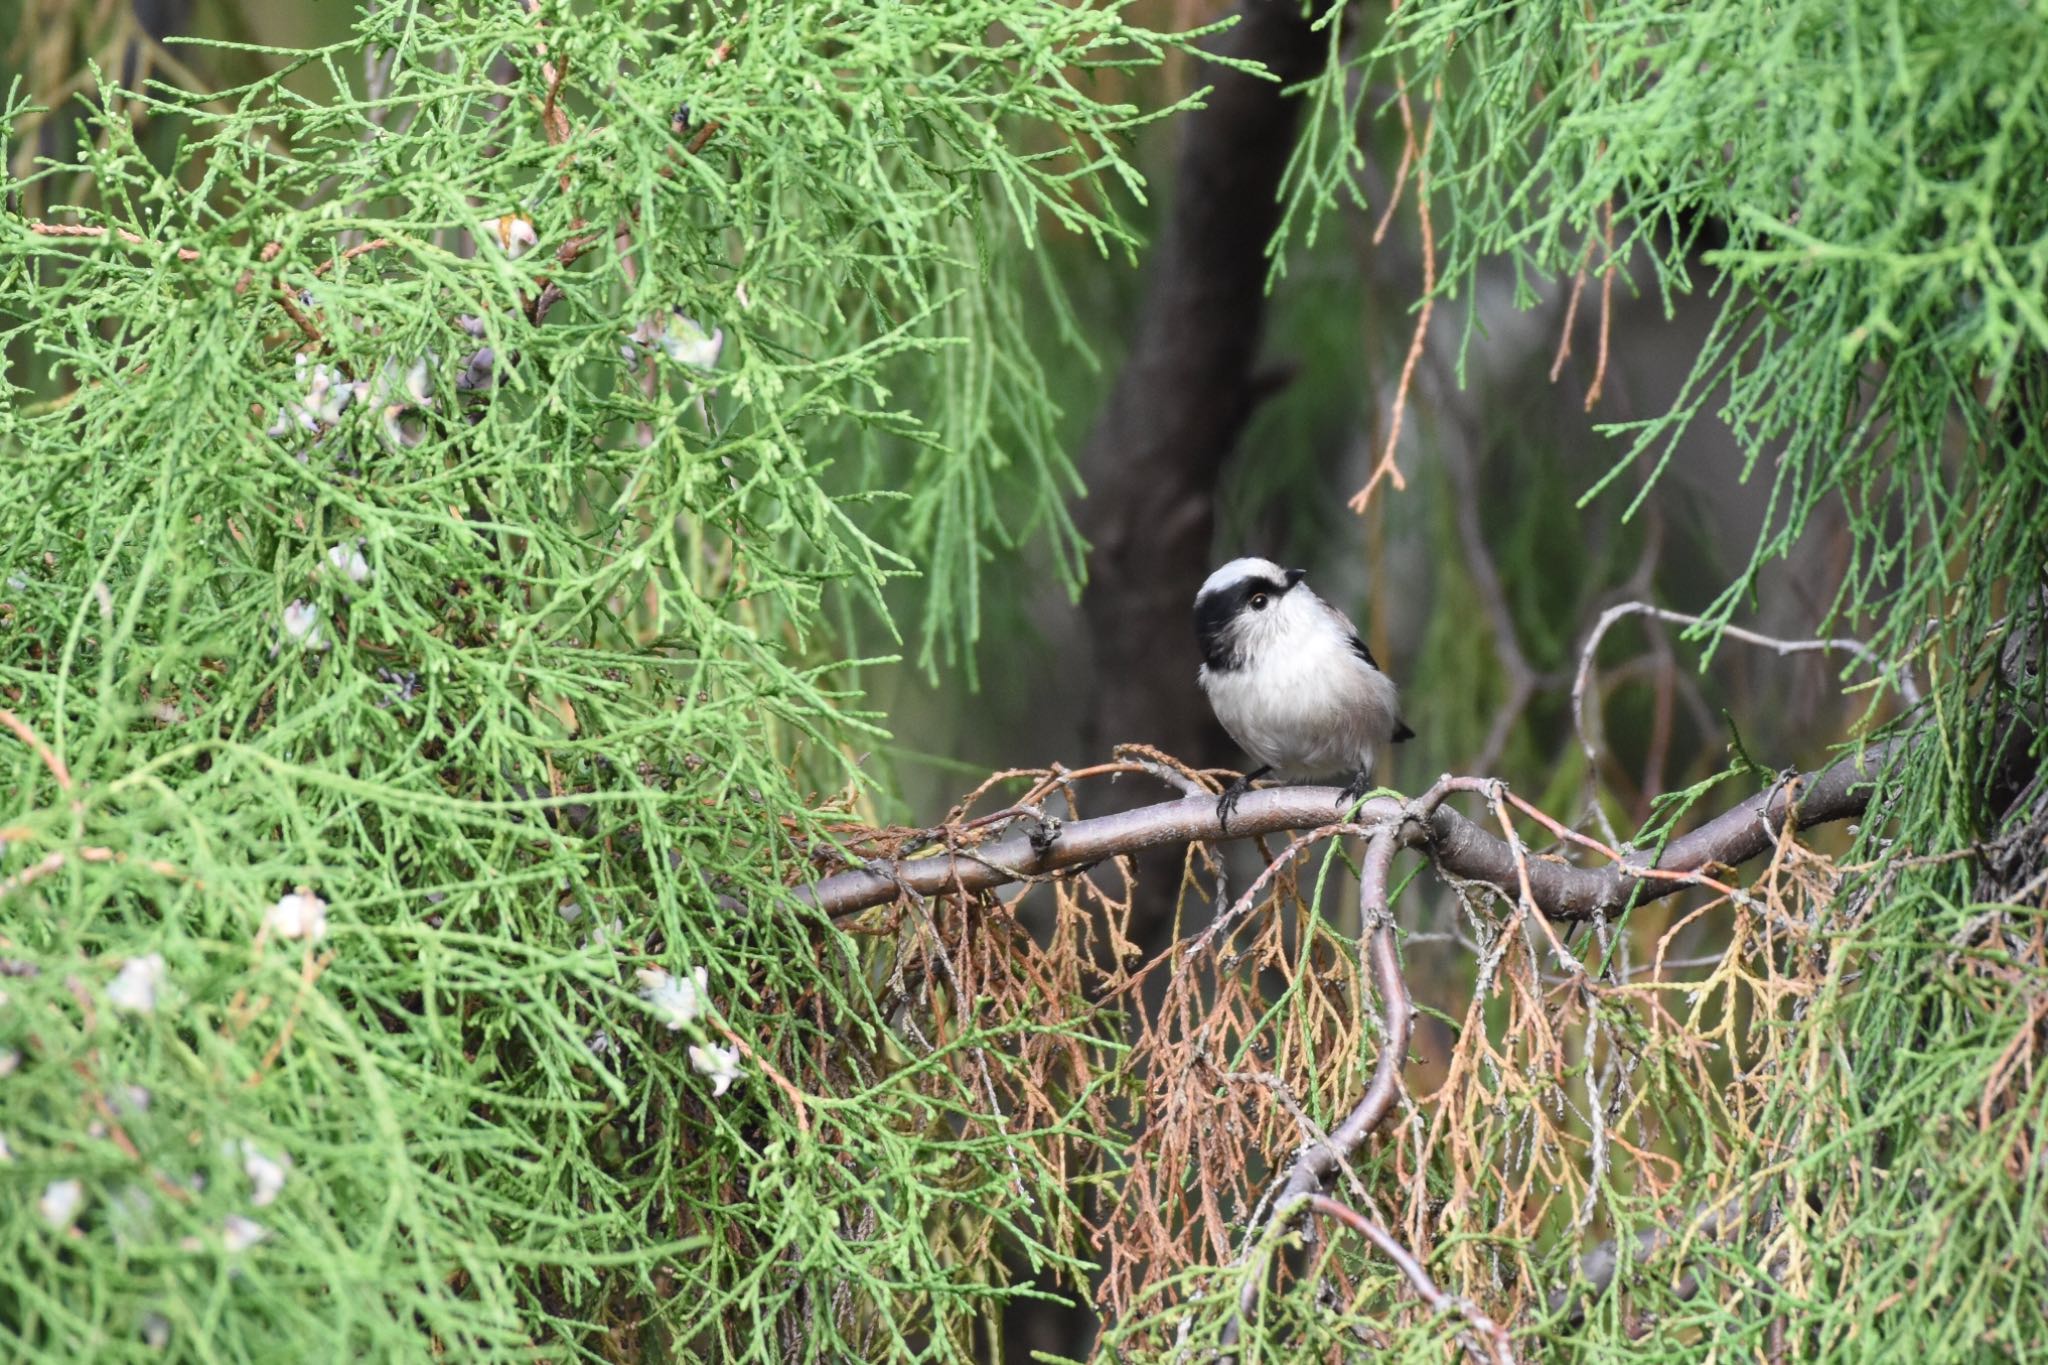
28, 736
1490, 1332
42, 229
1606, 308
1582, 683
1387, 468
1221, 927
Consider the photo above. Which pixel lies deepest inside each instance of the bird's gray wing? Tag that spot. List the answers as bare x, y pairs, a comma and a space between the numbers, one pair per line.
1363, 651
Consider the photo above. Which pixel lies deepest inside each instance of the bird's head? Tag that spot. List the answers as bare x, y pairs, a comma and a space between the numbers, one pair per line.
1245, 607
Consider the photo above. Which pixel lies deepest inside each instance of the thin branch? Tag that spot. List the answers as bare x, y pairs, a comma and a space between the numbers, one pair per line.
1606, 308
1571, 311
1461, 460
1305, 1180
554, 123
1573, 836
310, 968
92, 853
788, 1087
1387, 468
1583, 682
1495, 1336
35, 871
287, 298
41, 229
1221, 927
288, 301
1908, 689
28, 736
1407, 163
359, 249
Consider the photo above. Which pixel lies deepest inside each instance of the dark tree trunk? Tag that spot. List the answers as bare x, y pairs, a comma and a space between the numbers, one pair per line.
1159, 444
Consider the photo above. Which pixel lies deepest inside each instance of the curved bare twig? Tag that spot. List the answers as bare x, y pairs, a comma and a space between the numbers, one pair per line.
1493, 1338
1908, 690
1318, 1161
1301, 1189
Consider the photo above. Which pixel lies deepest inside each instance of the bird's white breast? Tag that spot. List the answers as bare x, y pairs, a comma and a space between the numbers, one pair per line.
1308, 708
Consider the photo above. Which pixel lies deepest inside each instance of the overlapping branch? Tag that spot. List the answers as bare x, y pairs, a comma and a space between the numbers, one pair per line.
1318, 1161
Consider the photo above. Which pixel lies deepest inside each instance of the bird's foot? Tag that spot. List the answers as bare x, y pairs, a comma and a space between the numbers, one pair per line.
1226, 804
1358, 786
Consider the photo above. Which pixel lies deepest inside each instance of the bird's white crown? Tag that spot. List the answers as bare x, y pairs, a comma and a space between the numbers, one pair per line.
1237, 570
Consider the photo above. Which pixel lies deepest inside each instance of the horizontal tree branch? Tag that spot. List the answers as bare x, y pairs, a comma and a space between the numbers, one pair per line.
1457, 846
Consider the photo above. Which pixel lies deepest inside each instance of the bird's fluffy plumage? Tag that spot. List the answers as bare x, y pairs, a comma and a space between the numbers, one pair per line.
1289, 677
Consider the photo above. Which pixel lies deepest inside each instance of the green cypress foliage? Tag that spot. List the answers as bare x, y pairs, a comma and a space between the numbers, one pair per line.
485, 594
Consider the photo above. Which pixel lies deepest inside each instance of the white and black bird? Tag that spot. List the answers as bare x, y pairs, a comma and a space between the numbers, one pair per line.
1291, 680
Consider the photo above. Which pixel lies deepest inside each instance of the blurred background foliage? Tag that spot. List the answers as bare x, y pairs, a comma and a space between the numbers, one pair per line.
1737, 311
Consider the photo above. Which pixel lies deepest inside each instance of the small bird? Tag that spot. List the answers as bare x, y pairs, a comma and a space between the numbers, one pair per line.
1291, 680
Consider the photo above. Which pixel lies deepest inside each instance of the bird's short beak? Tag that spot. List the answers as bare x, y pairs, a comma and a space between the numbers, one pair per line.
1295, 576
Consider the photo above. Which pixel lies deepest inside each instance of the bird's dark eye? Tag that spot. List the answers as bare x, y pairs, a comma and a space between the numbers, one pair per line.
1258, 601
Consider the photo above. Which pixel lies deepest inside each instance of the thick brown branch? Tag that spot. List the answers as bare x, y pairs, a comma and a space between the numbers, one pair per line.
1457, 846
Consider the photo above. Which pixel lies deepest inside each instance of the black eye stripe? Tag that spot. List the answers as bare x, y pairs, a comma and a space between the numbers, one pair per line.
1227, 602
1214, 612
1256, 587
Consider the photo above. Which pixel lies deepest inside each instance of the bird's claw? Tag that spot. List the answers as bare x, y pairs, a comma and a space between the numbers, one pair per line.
1358, 786
1226, 804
